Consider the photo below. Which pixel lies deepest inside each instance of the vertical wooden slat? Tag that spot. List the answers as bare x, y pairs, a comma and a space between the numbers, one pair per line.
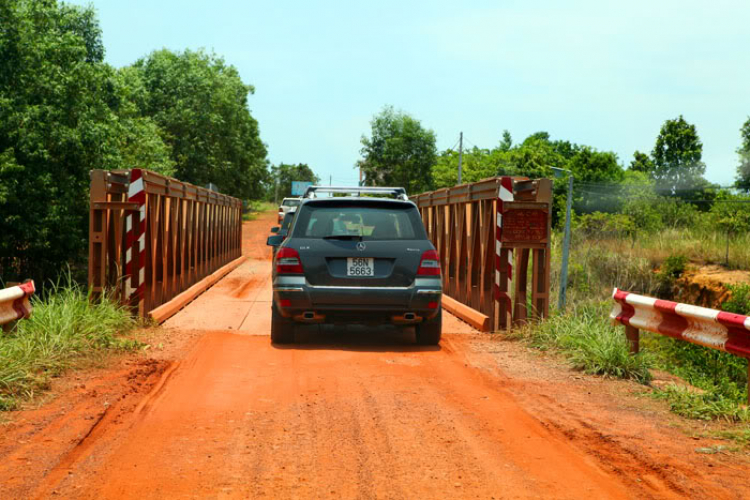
521, 285
97, 234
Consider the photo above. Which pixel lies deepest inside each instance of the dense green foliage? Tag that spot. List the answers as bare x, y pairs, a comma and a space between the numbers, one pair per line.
200, 105
399, 152
677, 157
739, 302
64, 330
64, 112
283, 175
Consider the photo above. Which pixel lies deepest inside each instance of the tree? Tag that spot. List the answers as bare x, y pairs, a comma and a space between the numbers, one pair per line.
64, 112
507, 142
743, 169
400, 152
284, 174
200, 104
641, 163
677, 157
59, 106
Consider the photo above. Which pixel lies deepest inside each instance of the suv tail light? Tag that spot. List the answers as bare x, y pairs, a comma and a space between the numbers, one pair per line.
430, 264
288, 262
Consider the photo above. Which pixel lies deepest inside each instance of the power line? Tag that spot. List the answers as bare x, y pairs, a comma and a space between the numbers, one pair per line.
613, 195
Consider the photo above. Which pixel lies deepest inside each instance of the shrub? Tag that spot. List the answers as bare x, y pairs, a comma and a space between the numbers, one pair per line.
644, 213
739, 302
603, 225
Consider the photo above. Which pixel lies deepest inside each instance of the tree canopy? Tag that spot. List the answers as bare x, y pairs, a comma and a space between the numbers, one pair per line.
64, 112
399, 152
200, 104
284, 174
677, 157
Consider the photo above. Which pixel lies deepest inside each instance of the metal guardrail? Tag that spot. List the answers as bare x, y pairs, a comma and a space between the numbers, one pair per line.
710, 328
14, 302
476, 228
152, 237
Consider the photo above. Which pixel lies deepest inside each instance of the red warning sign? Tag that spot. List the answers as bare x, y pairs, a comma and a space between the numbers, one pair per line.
523, 225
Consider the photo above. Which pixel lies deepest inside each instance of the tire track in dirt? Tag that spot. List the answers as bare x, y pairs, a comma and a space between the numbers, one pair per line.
363, 414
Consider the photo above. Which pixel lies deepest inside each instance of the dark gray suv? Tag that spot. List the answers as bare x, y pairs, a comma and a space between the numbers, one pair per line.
362, 259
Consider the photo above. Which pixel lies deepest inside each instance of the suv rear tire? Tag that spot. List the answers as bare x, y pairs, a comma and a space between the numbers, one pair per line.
282, 329
429, 331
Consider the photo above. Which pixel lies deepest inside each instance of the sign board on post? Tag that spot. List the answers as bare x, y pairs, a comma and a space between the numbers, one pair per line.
299, 187
524, 229
525, 224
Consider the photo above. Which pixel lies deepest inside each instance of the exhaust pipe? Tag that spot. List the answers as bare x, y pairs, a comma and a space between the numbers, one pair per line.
310, 317
406, 319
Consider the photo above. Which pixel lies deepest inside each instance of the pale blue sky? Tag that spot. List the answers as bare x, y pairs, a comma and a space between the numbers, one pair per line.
595, 72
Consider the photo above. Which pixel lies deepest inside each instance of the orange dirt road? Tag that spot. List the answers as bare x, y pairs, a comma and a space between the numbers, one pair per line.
361, 413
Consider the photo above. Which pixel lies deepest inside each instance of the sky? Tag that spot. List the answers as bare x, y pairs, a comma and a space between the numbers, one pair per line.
602, 73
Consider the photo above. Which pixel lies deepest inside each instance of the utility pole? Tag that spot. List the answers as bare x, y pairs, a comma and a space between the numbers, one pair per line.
276, 191
330, 180
460, 154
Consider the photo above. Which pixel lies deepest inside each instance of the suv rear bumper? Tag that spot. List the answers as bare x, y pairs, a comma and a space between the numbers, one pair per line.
357, 303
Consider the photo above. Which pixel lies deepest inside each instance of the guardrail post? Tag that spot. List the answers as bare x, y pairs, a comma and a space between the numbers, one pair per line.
634, 338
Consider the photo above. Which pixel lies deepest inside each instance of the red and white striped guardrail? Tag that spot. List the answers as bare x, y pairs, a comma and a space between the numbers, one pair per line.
698, 325
14, 302
504, 193
136, 233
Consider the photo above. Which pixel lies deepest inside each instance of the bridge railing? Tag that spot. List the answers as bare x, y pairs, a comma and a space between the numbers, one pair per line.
152, 237
476, 228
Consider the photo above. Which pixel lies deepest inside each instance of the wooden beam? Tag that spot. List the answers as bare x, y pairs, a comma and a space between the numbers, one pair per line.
166, 311
471, 316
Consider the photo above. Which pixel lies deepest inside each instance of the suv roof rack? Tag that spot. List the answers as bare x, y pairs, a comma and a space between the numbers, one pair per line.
396, 192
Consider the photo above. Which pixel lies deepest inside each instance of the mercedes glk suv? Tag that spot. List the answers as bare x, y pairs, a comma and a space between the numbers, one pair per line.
356, 259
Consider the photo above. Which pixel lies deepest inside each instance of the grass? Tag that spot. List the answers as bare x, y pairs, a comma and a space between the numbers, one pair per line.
64, 331
648, 265
698, 244
254, 207
590, 343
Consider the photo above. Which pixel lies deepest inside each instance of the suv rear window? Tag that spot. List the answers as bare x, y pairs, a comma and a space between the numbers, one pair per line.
369, 222
290, 203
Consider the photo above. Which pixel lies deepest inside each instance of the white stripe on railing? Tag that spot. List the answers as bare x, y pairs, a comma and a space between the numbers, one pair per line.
14, 302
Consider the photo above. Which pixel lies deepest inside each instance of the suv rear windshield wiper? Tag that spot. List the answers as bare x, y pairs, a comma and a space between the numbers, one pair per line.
343, 237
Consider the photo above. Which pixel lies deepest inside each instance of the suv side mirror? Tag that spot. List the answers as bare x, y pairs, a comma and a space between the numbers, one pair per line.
275, 229
275, 240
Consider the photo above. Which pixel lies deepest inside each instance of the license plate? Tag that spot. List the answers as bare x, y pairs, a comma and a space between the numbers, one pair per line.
360, 266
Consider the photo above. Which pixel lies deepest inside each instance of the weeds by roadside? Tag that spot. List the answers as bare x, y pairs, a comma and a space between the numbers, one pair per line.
254, 207
709, 405
64, 330
588, 340
584, 335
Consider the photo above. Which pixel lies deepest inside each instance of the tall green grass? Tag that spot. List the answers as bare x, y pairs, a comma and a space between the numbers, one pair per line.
590, 343
647, 265
64, 330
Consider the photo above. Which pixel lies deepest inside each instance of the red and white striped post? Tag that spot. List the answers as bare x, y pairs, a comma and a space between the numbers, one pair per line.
503, 258
14, 302
135, 239
710, 328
